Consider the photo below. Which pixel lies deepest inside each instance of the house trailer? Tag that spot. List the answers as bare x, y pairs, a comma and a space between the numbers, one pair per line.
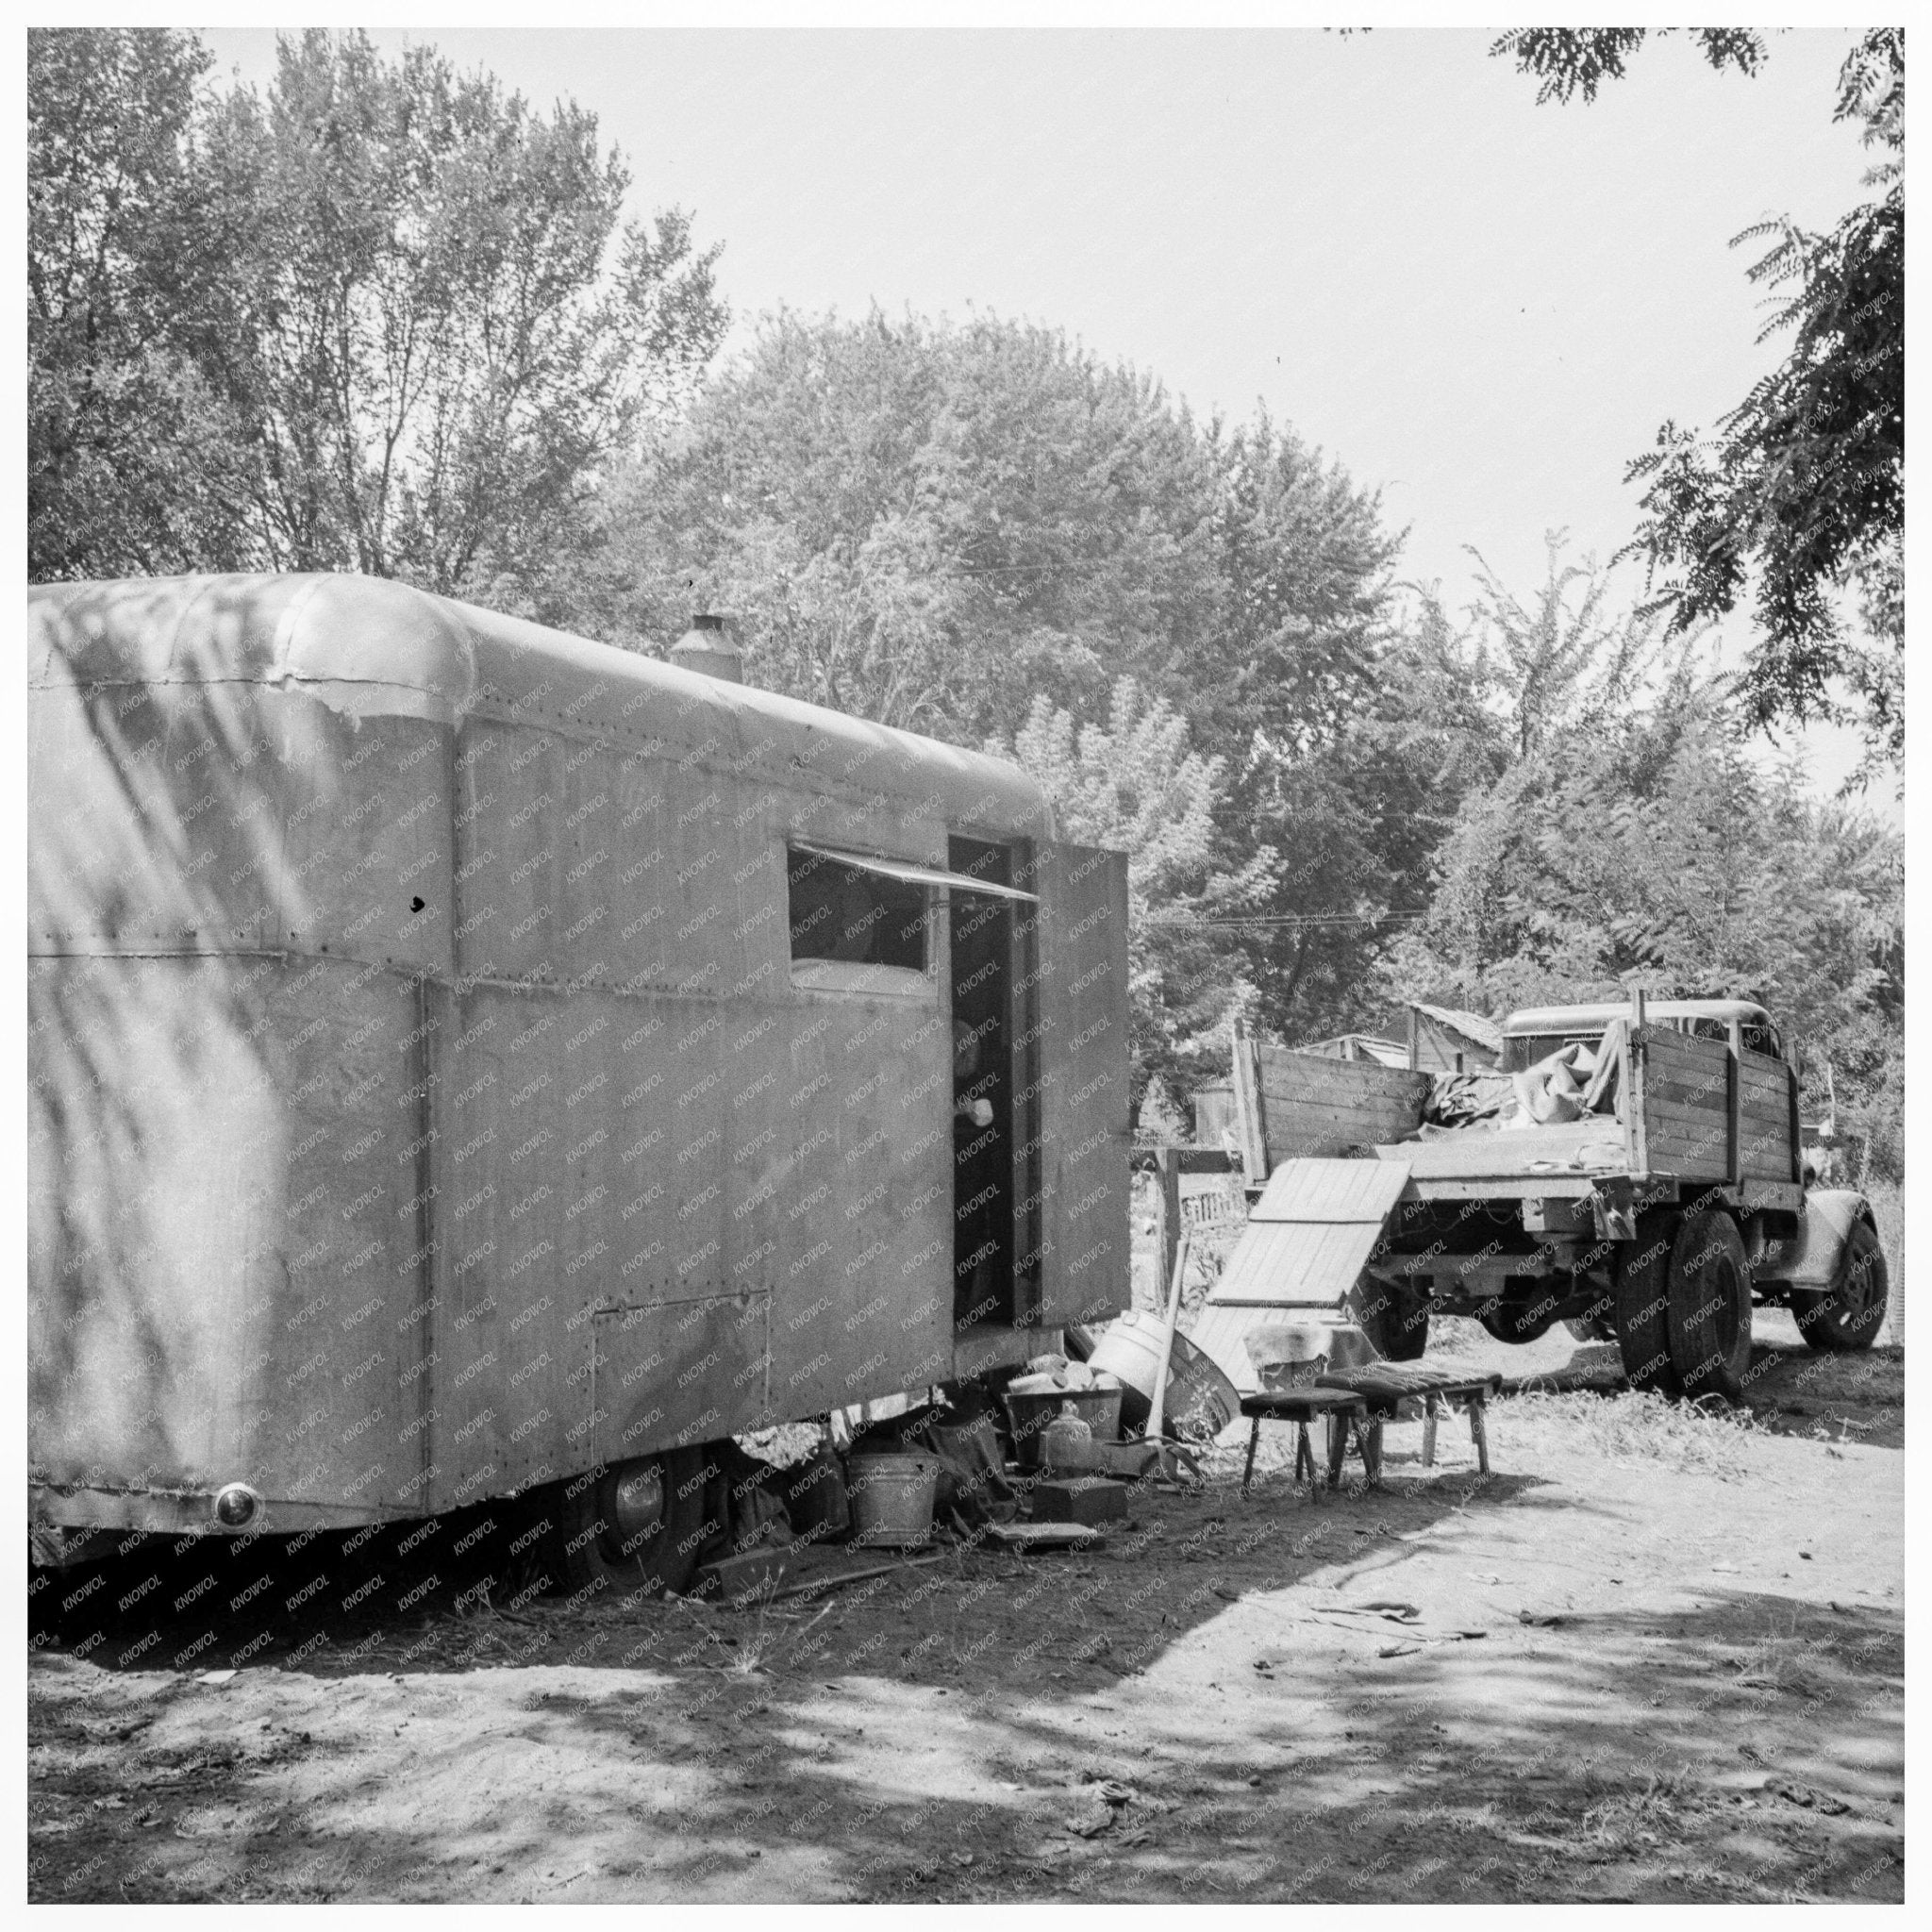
466, 1057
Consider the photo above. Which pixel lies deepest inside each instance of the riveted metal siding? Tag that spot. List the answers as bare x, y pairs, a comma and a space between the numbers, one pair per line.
498, 1157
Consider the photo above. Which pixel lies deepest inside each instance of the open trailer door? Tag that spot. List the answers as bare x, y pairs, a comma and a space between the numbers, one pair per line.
1085, 1273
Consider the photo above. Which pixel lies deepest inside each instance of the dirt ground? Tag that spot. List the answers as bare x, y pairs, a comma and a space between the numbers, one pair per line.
1655, 1654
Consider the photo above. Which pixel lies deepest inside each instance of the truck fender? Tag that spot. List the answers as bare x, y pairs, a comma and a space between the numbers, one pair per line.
1810, 1259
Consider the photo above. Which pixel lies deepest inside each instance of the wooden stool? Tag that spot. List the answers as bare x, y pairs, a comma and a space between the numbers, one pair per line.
1386, 1386
1344, 1411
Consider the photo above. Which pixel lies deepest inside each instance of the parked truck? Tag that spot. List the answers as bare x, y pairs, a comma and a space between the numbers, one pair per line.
1635, 1171
469, 1061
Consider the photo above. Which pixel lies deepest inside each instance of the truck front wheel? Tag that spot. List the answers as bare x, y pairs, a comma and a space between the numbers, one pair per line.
1708, 1312
1848, 1314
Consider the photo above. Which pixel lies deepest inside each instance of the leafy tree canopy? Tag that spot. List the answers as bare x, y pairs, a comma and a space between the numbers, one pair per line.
131, 449
1134, 784
400, 303
1571, 60
1633, 840
925, 524
1799, 497
949, 527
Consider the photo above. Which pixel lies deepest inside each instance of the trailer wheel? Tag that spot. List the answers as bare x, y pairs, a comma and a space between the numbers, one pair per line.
631, 1526
1641, 1291
1708, 1310
1848, 1314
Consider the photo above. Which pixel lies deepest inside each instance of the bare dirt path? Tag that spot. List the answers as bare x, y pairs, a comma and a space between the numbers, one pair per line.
1652, 1656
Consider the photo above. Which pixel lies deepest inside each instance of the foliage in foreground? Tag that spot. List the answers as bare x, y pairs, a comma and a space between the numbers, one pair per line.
385, 319
1803, 488
971, 529
1633, 840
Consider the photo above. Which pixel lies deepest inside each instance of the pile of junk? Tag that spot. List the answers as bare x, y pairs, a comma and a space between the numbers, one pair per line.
1038, 1458
1577, 1080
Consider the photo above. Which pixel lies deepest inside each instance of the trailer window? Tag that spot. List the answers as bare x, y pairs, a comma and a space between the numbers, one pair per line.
842, 914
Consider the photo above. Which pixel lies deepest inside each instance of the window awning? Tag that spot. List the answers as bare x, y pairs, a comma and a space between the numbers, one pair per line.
915, 875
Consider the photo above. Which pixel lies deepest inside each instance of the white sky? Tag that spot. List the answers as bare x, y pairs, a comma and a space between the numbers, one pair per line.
1484, 307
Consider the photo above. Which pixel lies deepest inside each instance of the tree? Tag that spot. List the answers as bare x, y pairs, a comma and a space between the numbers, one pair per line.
924, 523
1804, 485
1347, 730
1634, 839
942, 526
387, 319
132, 453
1570, 60
1134, 784
445, 345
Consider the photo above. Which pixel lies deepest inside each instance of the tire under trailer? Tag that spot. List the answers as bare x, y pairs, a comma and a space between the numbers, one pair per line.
632, 1527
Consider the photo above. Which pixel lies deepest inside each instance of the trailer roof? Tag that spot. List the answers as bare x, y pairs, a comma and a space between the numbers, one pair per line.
376, 647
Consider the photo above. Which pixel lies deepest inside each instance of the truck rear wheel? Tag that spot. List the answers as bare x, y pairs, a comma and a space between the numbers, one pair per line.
1708, 1310
631, 1526
1848, 1314
1641, 1295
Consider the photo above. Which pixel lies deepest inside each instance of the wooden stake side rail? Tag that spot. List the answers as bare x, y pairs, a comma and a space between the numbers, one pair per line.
1696, 1114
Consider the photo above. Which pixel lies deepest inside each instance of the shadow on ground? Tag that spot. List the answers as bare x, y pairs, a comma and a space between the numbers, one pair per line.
1241, 1697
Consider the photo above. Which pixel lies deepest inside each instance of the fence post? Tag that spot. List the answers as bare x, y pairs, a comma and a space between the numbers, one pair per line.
1167, 1166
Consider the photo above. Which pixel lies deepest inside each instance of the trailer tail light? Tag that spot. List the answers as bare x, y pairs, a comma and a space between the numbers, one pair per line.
237, 1505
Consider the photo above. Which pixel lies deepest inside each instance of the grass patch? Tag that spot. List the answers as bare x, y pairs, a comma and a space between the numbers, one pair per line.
1634, 1428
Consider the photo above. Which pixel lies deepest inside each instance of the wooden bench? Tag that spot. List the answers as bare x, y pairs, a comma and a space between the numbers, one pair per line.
1386, 1386
1344, 1411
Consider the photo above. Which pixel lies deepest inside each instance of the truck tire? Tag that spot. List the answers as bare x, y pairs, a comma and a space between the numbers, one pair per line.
1708, 1309
1503, 1325
633, 1527
1395, 1321
1848, 1314
1641, 1292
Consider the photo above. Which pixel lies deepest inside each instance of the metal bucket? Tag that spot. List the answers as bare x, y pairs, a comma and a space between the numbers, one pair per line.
891, 1494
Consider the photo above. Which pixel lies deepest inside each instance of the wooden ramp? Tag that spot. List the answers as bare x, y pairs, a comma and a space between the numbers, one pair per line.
1307, 1241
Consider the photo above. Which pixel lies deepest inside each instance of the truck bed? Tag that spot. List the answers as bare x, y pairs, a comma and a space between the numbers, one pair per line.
1594, 1146
1687, 1111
